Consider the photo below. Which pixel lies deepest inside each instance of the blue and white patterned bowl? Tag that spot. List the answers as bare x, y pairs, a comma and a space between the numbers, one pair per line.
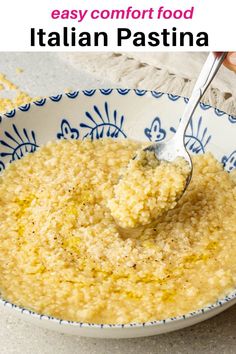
118, 114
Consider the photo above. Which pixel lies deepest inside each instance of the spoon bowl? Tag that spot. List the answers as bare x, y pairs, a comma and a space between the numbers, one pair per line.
170, 151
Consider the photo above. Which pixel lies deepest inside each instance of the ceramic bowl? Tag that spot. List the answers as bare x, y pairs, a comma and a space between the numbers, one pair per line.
118, 114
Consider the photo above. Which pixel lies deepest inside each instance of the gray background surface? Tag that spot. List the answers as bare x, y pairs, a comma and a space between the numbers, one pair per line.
47, 74
215, 336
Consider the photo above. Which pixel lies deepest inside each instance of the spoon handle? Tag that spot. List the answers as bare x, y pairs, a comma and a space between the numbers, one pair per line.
207, 74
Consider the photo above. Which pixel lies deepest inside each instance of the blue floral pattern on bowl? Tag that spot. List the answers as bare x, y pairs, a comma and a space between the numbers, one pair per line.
196, 137
155, 133
229, 162
67, 132
16, 144
101, 124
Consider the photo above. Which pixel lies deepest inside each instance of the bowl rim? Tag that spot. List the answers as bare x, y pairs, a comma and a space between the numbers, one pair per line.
155, 323
108, 91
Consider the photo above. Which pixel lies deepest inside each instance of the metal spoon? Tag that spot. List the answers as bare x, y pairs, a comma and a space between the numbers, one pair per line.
175, 147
